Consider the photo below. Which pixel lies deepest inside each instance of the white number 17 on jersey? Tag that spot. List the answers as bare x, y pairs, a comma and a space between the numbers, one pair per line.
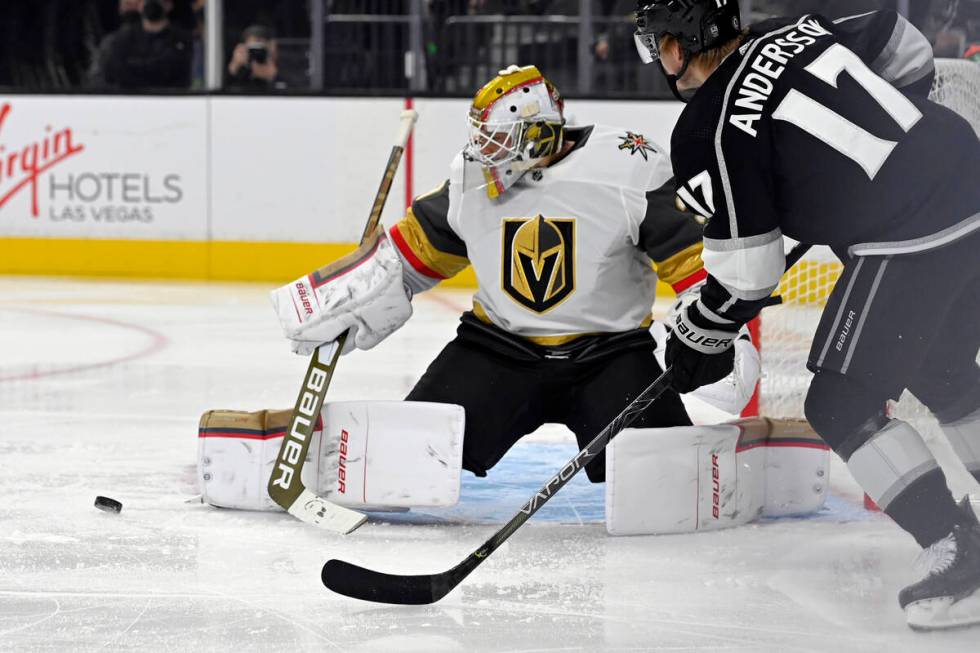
854, 142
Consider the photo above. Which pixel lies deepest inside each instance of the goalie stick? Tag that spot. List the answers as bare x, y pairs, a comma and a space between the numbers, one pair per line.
360, 583
285, 486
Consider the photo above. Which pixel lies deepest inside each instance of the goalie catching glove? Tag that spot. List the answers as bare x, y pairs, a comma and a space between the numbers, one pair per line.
733, 392
361, 292
700, 349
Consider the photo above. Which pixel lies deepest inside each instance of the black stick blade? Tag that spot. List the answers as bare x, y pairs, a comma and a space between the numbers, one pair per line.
360, 583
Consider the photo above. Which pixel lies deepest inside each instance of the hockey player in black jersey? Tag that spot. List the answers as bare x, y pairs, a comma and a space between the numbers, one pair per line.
822, 131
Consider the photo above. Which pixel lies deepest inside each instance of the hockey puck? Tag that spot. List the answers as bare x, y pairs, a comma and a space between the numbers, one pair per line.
108, 505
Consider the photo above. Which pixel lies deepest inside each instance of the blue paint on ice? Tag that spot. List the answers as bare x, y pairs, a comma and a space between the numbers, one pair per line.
528, 466
522, 472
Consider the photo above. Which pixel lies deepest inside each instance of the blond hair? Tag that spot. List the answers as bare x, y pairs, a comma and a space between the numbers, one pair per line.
708, 60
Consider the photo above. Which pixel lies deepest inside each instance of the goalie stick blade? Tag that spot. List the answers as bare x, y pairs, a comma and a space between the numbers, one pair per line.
366, 585
329, 516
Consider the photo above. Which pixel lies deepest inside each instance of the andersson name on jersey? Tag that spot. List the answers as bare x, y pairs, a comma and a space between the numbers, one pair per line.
756, 88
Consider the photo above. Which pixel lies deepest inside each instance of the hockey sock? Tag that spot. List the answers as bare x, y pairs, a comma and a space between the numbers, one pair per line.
925, 509
897, 470
887, 457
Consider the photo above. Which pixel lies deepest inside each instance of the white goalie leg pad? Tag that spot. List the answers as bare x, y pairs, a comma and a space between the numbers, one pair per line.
890, 461
964, 437
362, 292
695, 478
391, 454
371, 454
679, 480
797, 465
236, 454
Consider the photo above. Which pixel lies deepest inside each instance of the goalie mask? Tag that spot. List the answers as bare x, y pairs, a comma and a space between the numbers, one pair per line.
515, 122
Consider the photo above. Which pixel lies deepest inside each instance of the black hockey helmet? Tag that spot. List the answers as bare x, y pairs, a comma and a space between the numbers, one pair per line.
698, 25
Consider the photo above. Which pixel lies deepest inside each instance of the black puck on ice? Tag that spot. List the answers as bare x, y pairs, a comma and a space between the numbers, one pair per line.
108, 505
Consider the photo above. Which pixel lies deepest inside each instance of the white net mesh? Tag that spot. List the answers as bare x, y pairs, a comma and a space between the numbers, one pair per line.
957, 86
787, 329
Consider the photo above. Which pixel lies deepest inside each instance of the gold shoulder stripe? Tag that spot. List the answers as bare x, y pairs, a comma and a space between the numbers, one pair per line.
413, 236
681, 265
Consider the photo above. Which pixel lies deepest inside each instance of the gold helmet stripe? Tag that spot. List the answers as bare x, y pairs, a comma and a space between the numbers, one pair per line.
504, 85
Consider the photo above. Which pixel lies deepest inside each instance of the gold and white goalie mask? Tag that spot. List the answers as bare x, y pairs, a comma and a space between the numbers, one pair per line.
515, 122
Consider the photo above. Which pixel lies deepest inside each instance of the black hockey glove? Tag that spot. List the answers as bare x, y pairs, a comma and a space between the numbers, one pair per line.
699, 351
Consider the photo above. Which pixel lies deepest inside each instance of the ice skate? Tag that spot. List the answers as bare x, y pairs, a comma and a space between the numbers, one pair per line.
949, 595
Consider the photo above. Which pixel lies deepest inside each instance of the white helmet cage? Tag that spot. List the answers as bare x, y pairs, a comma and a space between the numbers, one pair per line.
519, 126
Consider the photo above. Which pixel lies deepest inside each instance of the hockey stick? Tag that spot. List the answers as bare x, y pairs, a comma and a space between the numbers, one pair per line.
367, 585
285, 486
794, 255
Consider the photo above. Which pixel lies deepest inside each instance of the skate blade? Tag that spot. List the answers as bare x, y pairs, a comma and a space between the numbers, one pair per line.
941, 613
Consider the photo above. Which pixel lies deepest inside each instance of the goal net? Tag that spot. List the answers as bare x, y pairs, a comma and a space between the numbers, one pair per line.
786, 330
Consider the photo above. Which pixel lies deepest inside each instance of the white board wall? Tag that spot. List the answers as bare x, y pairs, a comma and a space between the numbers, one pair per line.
281, 169
103, 167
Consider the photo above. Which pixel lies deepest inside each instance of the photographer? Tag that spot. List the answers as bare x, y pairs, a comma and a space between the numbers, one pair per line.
253, 64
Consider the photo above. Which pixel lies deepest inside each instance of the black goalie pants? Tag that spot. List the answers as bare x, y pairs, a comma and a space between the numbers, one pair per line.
509, 389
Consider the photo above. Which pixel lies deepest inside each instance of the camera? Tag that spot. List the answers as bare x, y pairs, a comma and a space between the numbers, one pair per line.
258, 53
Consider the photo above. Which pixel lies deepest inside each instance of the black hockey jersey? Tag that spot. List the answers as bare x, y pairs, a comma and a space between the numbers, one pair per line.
821, 131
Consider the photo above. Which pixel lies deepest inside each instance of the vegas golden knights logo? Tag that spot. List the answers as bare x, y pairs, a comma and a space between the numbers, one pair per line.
538, 261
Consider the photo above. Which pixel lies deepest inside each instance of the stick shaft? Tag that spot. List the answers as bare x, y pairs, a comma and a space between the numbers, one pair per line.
628, 415
285, 486
365, 584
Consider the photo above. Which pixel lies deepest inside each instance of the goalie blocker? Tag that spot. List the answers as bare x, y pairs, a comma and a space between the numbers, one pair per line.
378, 455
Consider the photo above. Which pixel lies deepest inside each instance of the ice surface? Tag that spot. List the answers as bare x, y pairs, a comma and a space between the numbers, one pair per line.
101, 386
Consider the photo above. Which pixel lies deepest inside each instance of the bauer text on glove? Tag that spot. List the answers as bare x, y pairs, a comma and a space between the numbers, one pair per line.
361, 292
699, 350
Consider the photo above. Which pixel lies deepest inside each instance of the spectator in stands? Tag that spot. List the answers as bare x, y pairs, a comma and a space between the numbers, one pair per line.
253, 65
149, 54
130, 12
129, 16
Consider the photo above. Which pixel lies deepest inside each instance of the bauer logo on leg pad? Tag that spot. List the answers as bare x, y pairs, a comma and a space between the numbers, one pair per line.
393, 454
711, 477
342, 462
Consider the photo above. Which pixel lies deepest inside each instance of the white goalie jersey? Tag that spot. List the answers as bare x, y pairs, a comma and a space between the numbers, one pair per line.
567, 250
